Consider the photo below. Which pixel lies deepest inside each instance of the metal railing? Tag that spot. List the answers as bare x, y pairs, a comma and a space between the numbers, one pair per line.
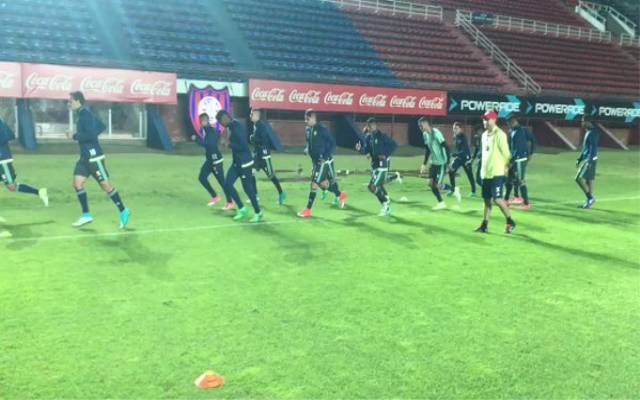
599, 8
628, 40
530, 25
394, 7
593, 10
463, 20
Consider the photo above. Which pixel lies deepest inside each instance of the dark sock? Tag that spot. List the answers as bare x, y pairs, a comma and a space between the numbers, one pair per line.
391, 178
452, 179
525, 194
382, 198
115, 197
516, 191
84, 201
485, 224
510, 221
333, 188
507, 193
312, 198
589, 196
472, 181
276, 183
436, 193
254, 182
22, 188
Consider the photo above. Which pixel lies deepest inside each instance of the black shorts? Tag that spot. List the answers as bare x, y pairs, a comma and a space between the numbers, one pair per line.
94, 167
587, 170
437, 173
7, 172
263, 162
518, 171
493, 188
321, 172
459, 162
379, 173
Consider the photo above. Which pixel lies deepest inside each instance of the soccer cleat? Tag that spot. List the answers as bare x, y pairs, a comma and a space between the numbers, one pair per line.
510, 227
306, 213
343, 199
282, 197
399, 177
473, 194
44, 196
229, 206
483, 228
526, 206
214, 200
4, 234
457, 195
83, 220
241, 214
439, 206
517, 200
324, 194
386, 210
124, 218
257, 218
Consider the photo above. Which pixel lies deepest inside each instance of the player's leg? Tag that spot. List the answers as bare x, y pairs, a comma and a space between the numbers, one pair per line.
203, 178
509, 183
452, 175
497, 194
468, 170
486, 197
250, 190
232, 176
101, 175
436, 174
589, 182
582, 182
218, 172
341, 197
8, 176
271, 174
80, 175
317, 174
521, 179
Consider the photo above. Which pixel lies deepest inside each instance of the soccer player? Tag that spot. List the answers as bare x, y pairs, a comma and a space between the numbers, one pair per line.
476, 140
379, 148
261, 141
241, 167
587, 160
92, 161
495, 162
436, 148
461, 158
208, 137
522, 144
320, 147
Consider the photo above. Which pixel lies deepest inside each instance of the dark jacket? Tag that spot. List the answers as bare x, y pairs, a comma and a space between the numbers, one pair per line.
461, 146
476, 141
320, 143
239, 143
6, 135
522, 143
209, 141
260, 138
590, 146
378, 144
88, 129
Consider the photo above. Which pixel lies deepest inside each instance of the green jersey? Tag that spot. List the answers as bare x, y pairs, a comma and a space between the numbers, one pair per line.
435, 142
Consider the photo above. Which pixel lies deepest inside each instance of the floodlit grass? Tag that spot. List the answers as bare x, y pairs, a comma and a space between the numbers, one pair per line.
347, 305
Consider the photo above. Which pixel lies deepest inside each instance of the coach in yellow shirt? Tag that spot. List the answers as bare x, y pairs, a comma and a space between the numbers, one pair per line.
495, 164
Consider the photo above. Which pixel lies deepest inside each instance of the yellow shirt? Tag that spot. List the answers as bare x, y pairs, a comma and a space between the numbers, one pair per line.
495, 153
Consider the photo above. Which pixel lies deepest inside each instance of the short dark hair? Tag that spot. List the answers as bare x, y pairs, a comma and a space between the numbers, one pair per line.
424, 119
220, 113
457, 123
513, 118
372, 120
587, 118
203, 115
310, 112
78, 96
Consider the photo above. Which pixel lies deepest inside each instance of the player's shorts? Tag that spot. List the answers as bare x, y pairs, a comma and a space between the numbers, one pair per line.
7, 172
587, 170
493, 188
263, 162
437, 173
322, 172
518, 170
94, 167
215, 159
459, 162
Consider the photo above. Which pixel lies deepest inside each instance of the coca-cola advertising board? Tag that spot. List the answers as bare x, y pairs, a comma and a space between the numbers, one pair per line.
10, 80
279, 95
42, 81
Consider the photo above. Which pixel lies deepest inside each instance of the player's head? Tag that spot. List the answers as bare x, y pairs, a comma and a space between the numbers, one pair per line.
587, 122
513, 122
457, 127
490, 119
255, 115
76, 100
372, 125
424, 124
310, 118
204, 119
224, 118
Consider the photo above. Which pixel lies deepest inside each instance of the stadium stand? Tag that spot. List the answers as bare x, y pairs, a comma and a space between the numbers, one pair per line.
307, 39
570, 65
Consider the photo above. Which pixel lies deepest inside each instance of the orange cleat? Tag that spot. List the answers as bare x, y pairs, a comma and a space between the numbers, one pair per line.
306, 213
228, 206
209, 380
343, 199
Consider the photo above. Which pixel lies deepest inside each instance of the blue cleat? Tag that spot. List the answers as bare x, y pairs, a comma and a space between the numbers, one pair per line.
282, 197
124, 218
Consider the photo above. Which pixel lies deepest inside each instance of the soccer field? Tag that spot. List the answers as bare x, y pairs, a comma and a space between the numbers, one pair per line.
346, 305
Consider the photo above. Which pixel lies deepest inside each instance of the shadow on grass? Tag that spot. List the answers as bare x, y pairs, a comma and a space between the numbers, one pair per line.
129, 250
24, 231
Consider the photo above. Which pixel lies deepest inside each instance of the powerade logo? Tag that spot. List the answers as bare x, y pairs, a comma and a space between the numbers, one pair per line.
501, 106
619, 112
570, 111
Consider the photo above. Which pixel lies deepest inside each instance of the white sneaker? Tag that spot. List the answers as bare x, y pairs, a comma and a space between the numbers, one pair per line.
399, 177
457, 195
44, 196
439, 206
5, 234
83, 220
386, 210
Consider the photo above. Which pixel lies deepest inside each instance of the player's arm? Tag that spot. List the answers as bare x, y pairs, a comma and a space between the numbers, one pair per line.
425, 161
593, 146
362, 145
533, 143
85, 131
503, 147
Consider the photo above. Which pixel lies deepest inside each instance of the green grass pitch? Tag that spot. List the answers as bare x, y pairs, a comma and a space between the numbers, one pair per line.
347, 305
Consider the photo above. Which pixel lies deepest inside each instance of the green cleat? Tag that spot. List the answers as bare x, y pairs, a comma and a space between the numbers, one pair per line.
336, 202
257, 218
282, 197
324, 194
241, 214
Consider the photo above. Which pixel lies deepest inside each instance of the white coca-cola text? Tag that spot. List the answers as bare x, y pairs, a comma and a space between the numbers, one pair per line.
433, 103
274, 95
58, 83
407, 102
340, 99
156, 88
377, 101
308, 97
103, 85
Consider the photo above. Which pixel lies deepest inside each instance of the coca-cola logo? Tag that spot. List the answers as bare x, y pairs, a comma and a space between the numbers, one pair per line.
308, 97
403, 102
377, 101
435, 103
7, 80
156, 88
274, 95
58, 83
340, 99
103, 85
